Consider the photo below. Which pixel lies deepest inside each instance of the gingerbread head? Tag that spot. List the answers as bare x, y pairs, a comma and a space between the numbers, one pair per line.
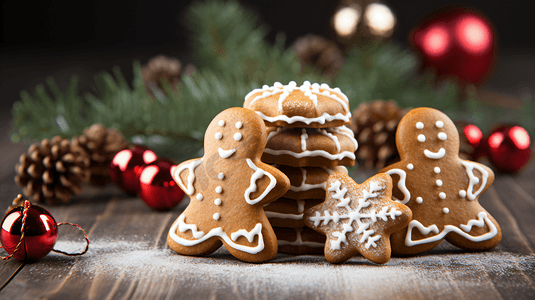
228, 188
441, 189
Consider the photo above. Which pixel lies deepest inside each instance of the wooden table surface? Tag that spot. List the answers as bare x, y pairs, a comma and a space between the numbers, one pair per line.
128, 257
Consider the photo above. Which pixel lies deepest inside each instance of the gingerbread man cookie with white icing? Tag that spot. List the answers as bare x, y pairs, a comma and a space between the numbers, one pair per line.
228, 188
308, 105
441, 189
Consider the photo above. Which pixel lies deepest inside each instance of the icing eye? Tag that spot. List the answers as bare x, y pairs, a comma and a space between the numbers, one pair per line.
221, 123
239, 125
419, 125
443, 136
237, 136
218, 135
421, 138
439, 124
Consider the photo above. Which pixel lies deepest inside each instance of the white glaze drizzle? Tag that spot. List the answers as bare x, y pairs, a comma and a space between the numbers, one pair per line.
190, 190
252, 186
401, 184
225, 153
325, 117
304, 137
278, 215
305, 186
480, 222
347, 132
332, 137
470, 166
435, 155
201, 237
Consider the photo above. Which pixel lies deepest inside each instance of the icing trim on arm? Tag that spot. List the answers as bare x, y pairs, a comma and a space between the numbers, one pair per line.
191, 176
470, 166
401, 184
252, 187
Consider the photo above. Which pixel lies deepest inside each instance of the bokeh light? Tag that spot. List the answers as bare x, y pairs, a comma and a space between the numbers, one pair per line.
380, 19
346, 20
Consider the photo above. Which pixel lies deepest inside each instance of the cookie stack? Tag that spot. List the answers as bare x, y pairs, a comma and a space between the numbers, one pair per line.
307, 141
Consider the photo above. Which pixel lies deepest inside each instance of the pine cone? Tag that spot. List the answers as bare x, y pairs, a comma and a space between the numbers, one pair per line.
319, 52
165, 68
375, 125
52, 171
100, 144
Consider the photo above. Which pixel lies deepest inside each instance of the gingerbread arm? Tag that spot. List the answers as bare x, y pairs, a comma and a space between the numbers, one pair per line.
484, 175
266, 180
184, 179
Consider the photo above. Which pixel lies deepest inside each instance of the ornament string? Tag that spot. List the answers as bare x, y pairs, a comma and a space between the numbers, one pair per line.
25, 215
85, 236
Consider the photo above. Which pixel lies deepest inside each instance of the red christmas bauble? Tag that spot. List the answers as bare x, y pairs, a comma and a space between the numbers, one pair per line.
474, 137
509, 148
456, 43
40, 233
157, 187
126, 166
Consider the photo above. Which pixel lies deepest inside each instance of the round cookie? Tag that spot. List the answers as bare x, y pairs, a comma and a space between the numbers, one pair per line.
441, 189
308, 105
299, 240
308, 182
228, 188
288, 212
310, 147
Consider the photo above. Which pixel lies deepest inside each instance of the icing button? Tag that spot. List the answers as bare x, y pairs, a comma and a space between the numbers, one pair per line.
219, 190
419, 200
446, 210
221, 176
410, 166
217, 201
462, 193
216, 216
442, 195
199, 196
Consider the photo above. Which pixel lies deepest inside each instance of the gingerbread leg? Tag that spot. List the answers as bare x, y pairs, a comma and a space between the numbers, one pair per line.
190, 242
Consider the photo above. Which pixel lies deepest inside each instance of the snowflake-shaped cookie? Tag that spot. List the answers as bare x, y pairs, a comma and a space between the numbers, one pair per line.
358, 218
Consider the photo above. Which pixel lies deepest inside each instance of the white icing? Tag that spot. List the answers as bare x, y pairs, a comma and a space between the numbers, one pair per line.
480, 222
225, 153
439, 124
332, 137
221, 123
442, 195
201, 236
304, 137
347, 132
216, 216
239, 125
218, 135
273, 133
220, 176
322, 153
419, 125
442, 136
325, 117
237, 136
401, 184
437, 170
419, 200
439, 182
435, 155
410, 166
305, 186
447, 210
190, 190
252, 186
272, 215
199, 197
421, 138
219, 190
470, 166
217, 201
355, 215
462, 193
299, 241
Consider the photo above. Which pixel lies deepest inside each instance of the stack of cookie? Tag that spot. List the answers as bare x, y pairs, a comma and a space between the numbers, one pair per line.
307, 141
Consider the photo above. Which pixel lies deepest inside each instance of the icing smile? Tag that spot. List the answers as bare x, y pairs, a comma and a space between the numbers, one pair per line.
225, 153
435, 155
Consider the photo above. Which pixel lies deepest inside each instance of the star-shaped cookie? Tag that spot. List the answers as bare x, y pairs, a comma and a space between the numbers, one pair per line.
358, 218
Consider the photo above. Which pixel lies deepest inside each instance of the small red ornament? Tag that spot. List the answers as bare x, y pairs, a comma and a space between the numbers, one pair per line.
473, 136
126, 166
29, 232
157, 187
457, 43
509, 148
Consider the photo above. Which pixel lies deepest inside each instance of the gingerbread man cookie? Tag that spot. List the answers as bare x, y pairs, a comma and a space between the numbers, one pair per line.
441, 189
228, 188
358, 218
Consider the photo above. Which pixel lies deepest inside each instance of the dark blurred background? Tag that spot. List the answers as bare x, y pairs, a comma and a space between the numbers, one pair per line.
61, 38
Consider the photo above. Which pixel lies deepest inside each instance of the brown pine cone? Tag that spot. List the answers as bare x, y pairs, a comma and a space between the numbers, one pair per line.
320, 53
100, 144
165, 68
52, 171
375, 125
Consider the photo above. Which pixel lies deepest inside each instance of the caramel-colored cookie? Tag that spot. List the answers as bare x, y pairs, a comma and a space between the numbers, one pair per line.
308, 182
310, 147
441, 189
229, 187
308, 105
288, 212
299, 240
358, 218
